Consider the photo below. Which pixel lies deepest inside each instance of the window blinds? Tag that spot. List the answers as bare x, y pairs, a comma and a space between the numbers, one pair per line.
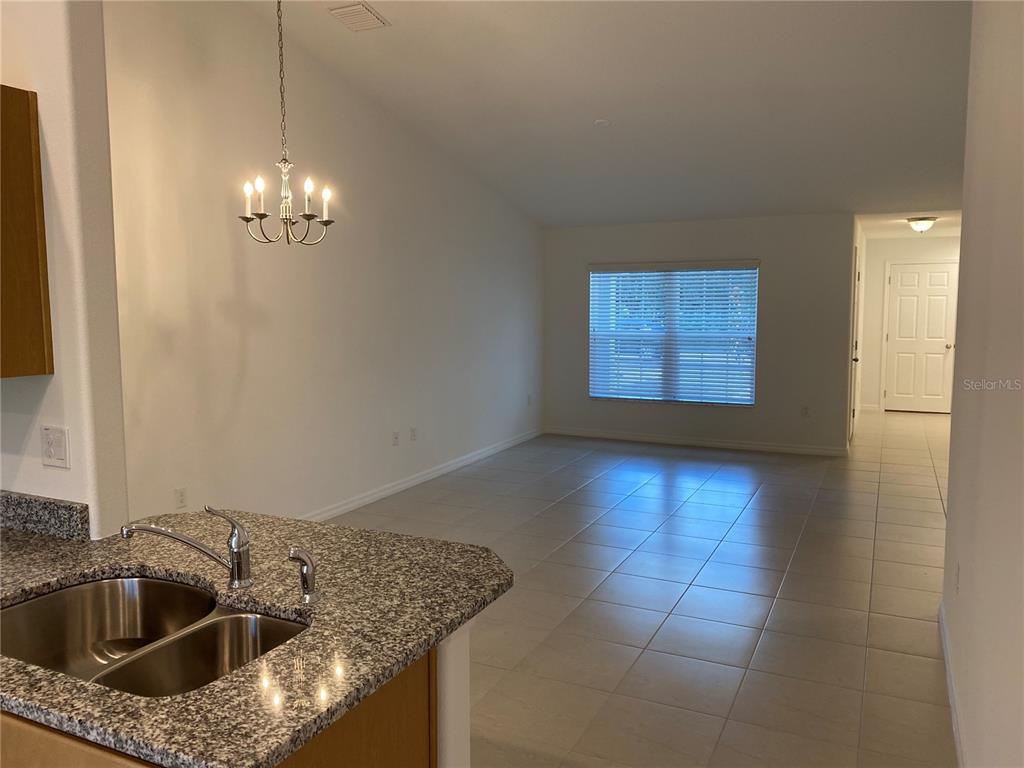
686, 335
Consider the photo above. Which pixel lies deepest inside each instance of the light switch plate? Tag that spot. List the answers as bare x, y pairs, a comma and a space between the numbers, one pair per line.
56, 451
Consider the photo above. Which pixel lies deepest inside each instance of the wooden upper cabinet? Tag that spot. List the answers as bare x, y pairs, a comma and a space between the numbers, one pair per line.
26, 343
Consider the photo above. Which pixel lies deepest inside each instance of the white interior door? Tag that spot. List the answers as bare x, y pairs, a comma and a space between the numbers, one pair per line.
920, 337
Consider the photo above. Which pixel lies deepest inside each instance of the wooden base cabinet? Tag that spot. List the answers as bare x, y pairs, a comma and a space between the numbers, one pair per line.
396, 727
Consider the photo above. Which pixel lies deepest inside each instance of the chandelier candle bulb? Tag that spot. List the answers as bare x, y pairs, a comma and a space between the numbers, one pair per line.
326, 197
248, 199
308, 187
259, 193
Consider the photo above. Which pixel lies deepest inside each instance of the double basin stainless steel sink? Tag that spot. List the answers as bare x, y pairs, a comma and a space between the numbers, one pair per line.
139, 635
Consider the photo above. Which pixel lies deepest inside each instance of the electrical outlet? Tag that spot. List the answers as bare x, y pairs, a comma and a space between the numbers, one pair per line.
56, 452
412, 434
180, 498
394, 439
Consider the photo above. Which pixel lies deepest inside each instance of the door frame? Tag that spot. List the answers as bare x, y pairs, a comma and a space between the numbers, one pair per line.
856, 332
889, 264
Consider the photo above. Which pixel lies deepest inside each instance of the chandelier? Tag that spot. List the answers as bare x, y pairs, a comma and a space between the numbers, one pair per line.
289, 223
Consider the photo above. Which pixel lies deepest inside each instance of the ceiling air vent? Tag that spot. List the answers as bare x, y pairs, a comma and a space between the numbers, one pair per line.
359, 17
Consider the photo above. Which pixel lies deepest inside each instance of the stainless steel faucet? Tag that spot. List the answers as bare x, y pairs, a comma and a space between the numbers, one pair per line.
307, 573
237, 561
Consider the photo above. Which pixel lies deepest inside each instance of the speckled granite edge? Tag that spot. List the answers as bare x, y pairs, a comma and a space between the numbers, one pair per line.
387, 599
40, 514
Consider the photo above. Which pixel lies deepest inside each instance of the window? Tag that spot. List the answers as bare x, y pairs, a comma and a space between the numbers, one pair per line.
687, 335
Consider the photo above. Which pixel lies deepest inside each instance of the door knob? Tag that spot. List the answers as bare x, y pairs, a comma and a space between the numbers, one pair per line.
949, 346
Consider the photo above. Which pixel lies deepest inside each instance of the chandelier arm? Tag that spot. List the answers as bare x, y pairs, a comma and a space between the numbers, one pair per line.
323, 234
254, 236
305, 234
267, 237
288, 227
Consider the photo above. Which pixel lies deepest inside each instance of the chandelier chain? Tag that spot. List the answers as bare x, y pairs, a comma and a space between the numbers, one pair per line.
280, 61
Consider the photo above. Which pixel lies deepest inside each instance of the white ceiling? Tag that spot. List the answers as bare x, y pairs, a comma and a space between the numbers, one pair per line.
716, 109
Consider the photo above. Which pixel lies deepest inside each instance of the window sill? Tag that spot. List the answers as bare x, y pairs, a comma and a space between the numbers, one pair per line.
669, 402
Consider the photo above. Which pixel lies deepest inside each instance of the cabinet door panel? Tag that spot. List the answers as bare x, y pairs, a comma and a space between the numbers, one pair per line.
26, 346
393, 728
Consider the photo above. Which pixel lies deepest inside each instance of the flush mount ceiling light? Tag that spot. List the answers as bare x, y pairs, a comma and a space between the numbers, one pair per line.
602, 122
922, 223
288, 220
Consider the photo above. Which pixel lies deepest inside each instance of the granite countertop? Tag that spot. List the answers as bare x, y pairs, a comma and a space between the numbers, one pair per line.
385, 600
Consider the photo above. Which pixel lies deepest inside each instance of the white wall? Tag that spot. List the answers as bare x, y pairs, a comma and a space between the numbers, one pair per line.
803, 331
983, 600
878, 253
56, 49
270, 378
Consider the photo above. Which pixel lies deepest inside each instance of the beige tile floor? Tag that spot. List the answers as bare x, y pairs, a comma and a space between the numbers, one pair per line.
679, 606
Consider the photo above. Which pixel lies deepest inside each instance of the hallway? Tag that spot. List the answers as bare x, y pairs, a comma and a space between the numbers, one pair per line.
680, 606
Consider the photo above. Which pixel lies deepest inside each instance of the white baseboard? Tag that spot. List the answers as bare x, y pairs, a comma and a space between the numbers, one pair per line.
951, 686
699, 442
362, 499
